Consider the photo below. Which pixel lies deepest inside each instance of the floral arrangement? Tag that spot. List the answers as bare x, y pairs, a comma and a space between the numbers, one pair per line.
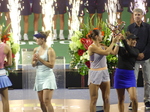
8, 39
80, 43
78, 50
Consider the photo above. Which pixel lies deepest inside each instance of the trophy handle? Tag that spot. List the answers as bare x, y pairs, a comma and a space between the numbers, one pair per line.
116, 29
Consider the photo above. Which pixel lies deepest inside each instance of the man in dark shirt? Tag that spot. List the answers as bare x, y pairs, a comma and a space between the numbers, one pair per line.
142, 31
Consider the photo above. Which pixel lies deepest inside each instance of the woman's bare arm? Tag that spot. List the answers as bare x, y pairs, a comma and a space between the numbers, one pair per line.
8, 53
51, 58
34, 60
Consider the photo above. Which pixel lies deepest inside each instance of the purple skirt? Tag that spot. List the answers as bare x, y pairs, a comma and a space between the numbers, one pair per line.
26, 9
36, 7
124, 79
4, 81
3, 6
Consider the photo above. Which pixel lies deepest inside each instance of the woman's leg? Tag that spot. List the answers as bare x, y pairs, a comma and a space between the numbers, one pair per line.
5, 102
133, 98
36, 18
93, 95
55, 24
26, 23
47, 97
121, 97
42, 104
61, 34
105, 88
26, 26
61, 21
100, 16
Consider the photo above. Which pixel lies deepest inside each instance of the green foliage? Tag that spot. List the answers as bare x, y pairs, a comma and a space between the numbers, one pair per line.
7, 38
76, 60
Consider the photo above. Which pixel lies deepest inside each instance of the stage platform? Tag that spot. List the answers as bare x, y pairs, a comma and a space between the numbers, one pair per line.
141, 108
64, 105
66, 100
60, 105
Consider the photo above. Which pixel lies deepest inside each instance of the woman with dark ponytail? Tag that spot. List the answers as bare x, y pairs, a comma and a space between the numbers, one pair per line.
98, 73
45, 82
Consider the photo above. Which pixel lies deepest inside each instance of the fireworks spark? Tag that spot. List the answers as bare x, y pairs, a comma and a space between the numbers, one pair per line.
142, 4
48, 11
75, 22
111, 8
14, 6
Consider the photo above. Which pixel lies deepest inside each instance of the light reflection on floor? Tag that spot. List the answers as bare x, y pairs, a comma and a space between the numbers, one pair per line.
62, 105
141, 108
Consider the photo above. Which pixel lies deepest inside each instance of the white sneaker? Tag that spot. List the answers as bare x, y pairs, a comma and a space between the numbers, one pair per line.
25, 36
61, 35
55, 37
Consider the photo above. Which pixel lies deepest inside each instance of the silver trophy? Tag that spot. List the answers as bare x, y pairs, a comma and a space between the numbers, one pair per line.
116, 29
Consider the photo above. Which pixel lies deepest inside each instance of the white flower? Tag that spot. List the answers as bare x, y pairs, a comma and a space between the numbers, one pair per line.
73, 46
84, 57
78, 34
74, 38
79, 44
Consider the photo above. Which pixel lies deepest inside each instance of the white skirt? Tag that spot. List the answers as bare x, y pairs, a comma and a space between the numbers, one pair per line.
97, 77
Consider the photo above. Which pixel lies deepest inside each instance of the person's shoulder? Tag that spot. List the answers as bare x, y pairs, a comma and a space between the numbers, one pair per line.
131, 25
92, 46
35, 49
50, 49
6, 46
146, 24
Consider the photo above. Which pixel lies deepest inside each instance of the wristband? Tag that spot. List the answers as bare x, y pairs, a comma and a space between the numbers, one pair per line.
117, 44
